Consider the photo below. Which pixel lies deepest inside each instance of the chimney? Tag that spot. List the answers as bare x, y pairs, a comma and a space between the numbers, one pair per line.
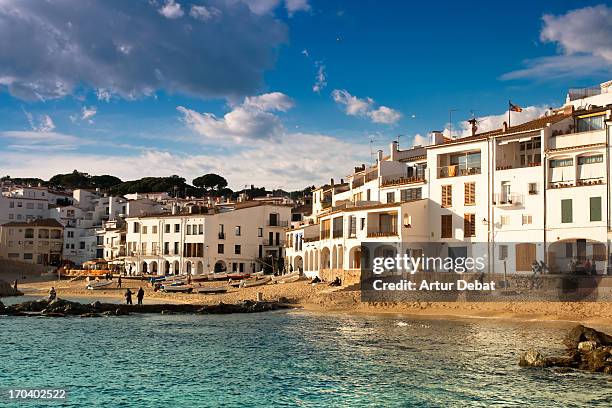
174, 208
437, 137
331, 182
341, 181
393, 148
379, 156
474, 126
505, 126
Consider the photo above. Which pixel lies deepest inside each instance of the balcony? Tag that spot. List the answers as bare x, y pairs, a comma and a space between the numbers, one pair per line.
390, 182
596, 181
278, 223
382, 234
507, 200
510, 166
567, 140
311, 239
456, 170
591, 181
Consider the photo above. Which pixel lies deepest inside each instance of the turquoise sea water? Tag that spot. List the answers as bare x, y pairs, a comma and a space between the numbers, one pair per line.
290, 358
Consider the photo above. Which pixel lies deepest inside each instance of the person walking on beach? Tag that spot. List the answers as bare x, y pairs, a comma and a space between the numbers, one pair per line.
52, 294
128, 297
119, 281
140, 295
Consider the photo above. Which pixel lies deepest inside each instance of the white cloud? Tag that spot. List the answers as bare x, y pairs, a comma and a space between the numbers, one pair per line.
132, 51
493, 122
87, 113
204, 13
355, 106
103, 95
320, 78
273, 101
294, 162
253, 119
44, 123
584, 39
294, 6
268, 6
420, 140
38, 140
171, 10
385, 115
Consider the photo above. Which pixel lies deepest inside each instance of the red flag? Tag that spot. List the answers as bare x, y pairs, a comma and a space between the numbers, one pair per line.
515, 108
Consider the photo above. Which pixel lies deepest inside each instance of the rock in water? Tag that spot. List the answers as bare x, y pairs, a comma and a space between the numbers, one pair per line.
532, 358
587, 349
581, 333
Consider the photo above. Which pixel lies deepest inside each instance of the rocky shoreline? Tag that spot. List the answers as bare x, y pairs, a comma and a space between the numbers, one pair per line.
65, 308
586, 349
7, 290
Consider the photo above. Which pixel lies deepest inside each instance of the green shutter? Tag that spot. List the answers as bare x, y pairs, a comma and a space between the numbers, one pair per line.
595, 204
566, 210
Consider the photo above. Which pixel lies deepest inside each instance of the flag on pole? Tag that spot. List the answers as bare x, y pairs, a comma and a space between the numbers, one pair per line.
514, 108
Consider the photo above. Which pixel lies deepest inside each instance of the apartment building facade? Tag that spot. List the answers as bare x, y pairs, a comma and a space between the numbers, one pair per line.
37, 242
538, 191
234, 237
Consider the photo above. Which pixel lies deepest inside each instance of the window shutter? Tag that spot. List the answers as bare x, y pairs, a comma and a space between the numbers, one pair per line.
595, 205
470, 193
566, 210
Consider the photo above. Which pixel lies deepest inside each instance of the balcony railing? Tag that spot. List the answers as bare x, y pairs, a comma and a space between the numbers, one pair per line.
403, 180
382, 234
596, 181
561, 184
503, 199
272, 243
510, 166
311, 239
591, 181
278, 223
457, 170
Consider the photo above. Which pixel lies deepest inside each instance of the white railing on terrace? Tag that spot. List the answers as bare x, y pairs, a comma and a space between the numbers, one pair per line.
561, 141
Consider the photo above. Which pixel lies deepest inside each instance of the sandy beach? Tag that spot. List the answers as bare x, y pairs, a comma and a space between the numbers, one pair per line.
323, 298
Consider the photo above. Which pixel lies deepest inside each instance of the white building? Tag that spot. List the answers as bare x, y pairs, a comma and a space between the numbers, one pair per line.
536, 191
237, 237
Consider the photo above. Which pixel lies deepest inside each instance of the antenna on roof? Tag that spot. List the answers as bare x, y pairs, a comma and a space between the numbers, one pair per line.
450, 121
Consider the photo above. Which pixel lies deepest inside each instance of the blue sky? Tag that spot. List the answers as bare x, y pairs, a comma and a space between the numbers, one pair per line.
282, 93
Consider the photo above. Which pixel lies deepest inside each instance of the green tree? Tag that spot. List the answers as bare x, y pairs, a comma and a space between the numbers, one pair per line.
212, 183
76, 179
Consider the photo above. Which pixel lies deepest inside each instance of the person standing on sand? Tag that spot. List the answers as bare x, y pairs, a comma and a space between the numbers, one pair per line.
52, 294
119, 281
140, 295
128, 297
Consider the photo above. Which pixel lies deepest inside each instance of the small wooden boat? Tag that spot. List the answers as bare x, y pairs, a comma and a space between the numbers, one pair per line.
212, 290
217, 276
249, 283
289, 278
177, 288
238, 275
99, 285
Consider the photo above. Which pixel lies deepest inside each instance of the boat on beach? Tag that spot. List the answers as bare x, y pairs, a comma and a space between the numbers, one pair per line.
97, 285
289, 278
177, 288
249, 283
